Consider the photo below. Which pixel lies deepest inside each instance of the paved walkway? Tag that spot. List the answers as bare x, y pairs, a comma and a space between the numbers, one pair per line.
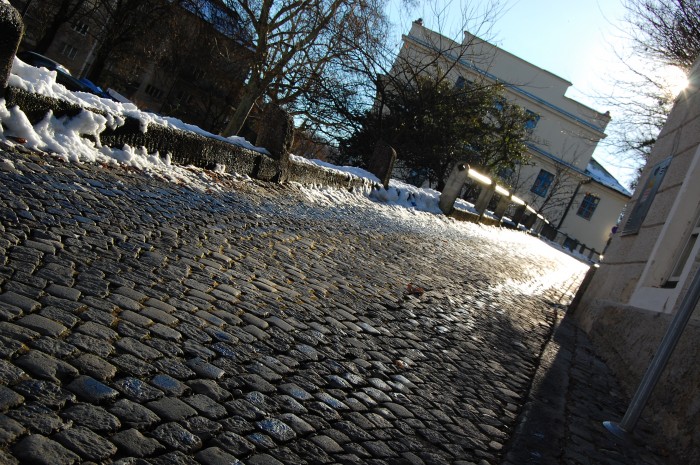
145, 322
572, 394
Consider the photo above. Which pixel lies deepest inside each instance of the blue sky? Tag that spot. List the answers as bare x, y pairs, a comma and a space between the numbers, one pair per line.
574, 39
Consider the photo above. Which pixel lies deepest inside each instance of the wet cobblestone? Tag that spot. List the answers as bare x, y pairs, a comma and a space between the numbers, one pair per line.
146, 322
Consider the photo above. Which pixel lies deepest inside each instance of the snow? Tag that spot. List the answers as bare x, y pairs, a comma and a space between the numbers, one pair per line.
42, 81
352, 170
398, 194
596, 171
403, 201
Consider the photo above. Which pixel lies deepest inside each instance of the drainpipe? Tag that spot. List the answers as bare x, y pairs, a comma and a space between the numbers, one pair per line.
571, 200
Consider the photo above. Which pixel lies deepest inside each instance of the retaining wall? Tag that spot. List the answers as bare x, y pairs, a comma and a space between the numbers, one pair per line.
186, 148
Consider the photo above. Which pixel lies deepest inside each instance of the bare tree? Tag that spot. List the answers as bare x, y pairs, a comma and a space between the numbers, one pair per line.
324, 60
442, 50
553, 200
666, 30
121, 24
435, 102
664, 36
334, 97
292, 43
54, 14
202, 64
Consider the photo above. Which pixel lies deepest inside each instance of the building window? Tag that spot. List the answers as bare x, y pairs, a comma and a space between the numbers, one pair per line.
183, 98
683, 257
81, 28
542, 183
461, 83
533, 119
499, 104
588, 206
153, 91
69, 51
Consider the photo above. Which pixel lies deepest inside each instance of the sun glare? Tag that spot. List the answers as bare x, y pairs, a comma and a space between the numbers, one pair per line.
675, 80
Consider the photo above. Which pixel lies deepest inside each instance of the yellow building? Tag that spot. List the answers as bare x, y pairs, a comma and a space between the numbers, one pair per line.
562, 180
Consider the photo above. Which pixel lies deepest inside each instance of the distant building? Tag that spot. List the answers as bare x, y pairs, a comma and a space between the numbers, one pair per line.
561, 180
646, 273
194, 71
74, 42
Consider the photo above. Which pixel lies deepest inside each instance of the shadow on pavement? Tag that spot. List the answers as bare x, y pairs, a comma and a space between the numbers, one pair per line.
572, 394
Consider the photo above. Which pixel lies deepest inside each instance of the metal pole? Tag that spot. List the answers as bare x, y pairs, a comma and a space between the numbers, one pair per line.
658, 363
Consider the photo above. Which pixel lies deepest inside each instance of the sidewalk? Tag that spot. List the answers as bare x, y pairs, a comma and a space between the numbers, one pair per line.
572, 393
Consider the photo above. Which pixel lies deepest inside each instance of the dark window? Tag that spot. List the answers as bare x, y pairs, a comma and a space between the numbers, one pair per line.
588, 206
533, 119
184, 98
154, 92
462, 83
81, 28
197, 73
542, 183
69, 51
681, 261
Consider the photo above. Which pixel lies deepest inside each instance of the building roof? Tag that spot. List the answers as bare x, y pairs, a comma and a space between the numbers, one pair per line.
599, 174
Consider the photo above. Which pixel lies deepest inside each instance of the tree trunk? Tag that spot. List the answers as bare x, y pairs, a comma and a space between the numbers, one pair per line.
98, 65
242, 111
46, 40
65, 13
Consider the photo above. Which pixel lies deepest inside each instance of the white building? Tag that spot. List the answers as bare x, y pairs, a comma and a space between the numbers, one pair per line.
561, 180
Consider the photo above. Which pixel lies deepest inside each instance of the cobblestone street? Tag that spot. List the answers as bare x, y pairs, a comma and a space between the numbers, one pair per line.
143, 321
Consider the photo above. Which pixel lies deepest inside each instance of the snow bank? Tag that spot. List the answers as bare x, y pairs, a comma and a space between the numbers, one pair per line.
398, 194
42, 81
64, 137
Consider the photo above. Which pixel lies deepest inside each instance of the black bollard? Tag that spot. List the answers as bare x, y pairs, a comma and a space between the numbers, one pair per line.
11, 30
276, 134
382, 163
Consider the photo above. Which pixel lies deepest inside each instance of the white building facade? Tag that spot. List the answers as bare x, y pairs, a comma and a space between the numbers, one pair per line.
561, 180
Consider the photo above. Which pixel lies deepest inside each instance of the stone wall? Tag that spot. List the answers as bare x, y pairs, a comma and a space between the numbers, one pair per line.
186, 148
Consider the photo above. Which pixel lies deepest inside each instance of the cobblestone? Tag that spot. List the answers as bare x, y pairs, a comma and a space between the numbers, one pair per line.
132, 443
16, 300
86, 443
145, 322
37, 449
133, 414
